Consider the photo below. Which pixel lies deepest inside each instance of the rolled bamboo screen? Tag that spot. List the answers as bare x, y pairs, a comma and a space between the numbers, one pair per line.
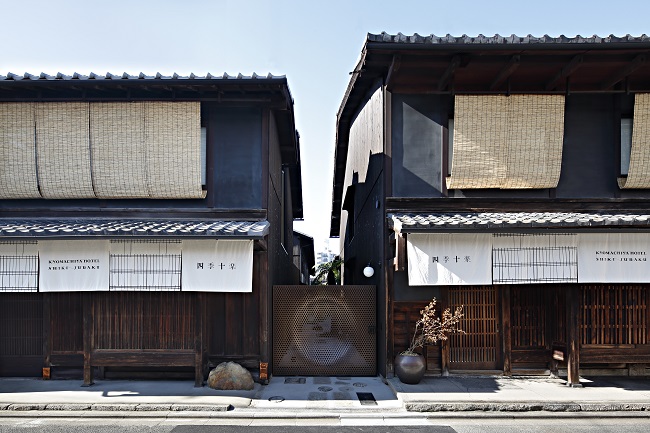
118, 151
173, 143
507, 142
63, 148
480, 142
638, 175
535, 137
18, 178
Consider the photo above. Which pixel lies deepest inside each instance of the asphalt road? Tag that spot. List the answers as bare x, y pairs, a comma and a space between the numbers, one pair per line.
419, 425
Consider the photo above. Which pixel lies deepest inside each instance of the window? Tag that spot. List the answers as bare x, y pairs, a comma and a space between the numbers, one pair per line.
450, 145
626, 145
204, 155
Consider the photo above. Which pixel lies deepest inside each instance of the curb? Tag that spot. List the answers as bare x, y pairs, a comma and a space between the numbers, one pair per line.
102, 407
527, 407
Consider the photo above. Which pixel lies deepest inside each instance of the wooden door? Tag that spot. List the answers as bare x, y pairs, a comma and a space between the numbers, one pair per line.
479, 346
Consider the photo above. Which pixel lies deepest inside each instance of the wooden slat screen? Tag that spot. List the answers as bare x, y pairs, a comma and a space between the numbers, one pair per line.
67, 322
477, 347
144, 320
614, 314
21, 334
528, 317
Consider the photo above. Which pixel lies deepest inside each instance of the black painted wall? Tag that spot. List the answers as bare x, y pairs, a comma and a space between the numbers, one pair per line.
590, 159
237, 139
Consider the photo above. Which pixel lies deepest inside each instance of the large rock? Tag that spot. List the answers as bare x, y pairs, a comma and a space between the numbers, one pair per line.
230, 375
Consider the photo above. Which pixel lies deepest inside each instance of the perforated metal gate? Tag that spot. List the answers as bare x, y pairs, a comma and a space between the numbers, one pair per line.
324, 331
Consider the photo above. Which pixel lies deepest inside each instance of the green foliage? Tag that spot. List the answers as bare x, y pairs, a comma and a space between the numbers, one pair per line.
328, 273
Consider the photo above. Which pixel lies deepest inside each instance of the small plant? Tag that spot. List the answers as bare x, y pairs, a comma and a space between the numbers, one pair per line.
430, 328
328, 273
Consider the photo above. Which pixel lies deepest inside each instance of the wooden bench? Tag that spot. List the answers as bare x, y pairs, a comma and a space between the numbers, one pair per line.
147, 358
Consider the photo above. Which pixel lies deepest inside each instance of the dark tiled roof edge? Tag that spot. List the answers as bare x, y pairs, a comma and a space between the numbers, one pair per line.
124, 228
428, 222
504, 40
141, 76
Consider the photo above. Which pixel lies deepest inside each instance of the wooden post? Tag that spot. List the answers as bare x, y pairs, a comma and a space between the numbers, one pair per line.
87, 338
573, 335
265, 303
47, 333
198, 341
506, 329
444, 344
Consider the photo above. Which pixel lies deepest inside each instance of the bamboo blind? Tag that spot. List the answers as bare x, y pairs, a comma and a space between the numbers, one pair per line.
119, 157
508, 142
638, 175
173, 143
18, 178
535, 137
63, 148
480, 142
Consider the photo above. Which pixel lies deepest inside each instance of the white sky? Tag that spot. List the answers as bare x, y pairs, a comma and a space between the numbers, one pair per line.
315, 44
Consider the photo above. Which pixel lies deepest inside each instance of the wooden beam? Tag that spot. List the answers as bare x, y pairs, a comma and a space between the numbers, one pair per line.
566, 71
394, 68
449, 73
507, 70
620, 76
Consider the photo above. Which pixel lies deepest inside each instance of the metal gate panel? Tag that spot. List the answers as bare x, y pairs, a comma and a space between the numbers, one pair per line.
324, 331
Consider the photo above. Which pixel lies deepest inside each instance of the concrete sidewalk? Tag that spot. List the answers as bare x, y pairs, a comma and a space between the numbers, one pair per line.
324, 396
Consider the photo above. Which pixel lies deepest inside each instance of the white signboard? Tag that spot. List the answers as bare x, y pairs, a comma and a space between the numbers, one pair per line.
217, 265
614, 258
449, 259
73, 265
534, 258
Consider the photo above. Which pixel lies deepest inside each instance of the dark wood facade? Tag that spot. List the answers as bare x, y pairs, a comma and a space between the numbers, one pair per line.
392, 157
253, 174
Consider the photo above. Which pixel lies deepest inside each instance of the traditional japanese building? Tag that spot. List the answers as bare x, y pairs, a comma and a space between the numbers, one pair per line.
509, 175
143, 222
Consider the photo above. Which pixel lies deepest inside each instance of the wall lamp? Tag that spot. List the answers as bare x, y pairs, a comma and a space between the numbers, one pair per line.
368, 271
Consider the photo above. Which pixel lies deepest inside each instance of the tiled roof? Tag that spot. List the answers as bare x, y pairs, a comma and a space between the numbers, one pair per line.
141, 76
498, 39
414, 222
132, 228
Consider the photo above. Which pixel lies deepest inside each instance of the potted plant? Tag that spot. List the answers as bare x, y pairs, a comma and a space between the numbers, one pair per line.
429, 329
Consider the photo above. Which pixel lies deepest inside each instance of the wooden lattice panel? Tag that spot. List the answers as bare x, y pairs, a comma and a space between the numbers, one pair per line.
477, 347
614, 314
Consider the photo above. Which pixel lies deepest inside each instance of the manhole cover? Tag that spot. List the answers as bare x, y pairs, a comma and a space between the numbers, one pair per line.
325, 388
359, 384
345, 388
276, 398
